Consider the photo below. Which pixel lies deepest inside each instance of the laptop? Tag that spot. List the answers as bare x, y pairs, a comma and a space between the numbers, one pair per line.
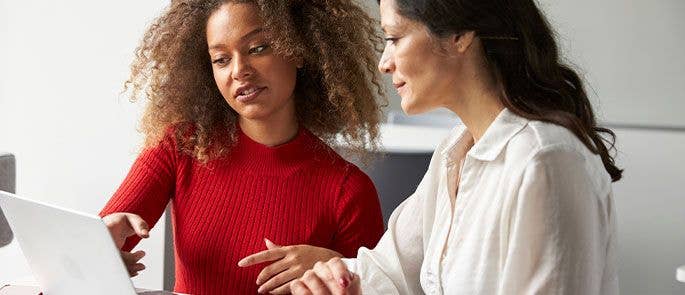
68, 252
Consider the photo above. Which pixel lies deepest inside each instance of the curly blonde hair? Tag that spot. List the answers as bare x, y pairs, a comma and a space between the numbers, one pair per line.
337, 96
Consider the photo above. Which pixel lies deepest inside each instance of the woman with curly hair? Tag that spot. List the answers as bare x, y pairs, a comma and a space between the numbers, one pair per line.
244, 99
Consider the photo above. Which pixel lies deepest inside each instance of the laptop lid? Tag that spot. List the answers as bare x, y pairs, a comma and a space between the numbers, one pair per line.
68, 252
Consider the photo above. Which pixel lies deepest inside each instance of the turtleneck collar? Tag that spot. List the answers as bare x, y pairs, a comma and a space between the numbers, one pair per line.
257, 158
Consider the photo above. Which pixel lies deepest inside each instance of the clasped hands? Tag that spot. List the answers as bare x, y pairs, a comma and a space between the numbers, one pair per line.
287, 264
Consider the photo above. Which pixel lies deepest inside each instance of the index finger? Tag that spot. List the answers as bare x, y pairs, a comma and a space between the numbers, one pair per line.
339, 271
138, 224
264, 256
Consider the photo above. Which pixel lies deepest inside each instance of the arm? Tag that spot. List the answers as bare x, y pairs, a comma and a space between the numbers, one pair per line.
147, 188
358, 215
559, 227
394, 265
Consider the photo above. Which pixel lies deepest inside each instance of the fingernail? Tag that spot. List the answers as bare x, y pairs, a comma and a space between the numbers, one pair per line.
241, 263
269, 243
343, 282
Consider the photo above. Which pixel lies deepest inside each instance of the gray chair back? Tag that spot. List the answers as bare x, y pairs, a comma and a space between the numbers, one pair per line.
396, 176
7, 183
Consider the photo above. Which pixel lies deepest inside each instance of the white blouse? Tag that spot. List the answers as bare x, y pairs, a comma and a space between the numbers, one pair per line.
533, 214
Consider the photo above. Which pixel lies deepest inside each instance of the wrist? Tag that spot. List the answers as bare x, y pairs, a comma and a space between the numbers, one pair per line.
335, 254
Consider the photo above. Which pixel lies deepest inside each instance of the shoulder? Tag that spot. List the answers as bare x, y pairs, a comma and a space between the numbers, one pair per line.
355, 177
348, 175
168, 147
173, 136
541, 139
326, 159
553, 150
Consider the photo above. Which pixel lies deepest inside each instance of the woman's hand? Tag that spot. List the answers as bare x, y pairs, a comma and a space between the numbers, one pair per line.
121, 226
331, 277
290, 262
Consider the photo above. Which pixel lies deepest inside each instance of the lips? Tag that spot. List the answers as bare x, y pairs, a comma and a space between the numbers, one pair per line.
247, 92
399, 86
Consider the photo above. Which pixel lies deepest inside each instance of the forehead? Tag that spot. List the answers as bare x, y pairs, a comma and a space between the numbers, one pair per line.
389, 17
231, 21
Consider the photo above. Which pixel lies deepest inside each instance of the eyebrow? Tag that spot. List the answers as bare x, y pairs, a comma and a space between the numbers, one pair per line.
244, 37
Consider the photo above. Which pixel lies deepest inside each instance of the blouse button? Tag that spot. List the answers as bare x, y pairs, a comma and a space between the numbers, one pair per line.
432, 287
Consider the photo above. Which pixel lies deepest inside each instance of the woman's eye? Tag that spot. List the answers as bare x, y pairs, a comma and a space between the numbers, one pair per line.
258, 49
390, 40
220, 61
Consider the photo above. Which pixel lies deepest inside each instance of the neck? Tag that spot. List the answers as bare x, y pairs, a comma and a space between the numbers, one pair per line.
478, 105
270, 132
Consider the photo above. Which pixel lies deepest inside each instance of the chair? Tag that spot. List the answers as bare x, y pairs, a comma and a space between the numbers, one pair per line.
397, 171
169, 267
7, 183
396, 176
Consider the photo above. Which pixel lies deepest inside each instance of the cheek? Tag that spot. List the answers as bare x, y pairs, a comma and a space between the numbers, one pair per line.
221, 80
408, 63
283, 76
419, 69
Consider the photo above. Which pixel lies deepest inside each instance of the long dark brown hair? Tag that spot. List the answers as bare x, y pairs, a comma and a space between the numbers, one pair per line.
522, 53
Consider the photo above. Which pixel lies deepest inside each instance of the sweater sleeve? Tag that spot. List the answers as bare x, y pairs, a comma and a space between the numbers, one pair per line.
147, 188
358, 215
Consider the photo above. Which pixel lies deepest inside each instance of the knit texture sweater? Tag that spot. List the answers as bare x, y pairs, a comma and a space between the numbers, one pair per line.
300, 192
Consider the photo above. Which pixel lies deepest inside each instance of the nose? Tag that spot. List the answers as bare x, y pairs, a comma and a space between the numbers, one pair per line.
386, 65
242, 69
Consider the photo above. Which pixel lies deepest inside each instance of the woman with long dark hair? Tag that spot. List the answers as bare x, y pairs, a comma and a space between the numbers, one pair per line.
518, 199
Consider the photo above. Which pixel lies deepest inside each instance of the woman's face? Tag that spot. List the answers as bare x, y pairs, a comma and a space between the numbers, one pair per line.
423, 76
257, 83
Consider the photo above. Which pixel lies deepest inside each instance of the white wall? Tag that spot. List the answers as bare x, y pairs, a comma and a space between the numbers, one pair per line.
632, 54
650, 207
62, 68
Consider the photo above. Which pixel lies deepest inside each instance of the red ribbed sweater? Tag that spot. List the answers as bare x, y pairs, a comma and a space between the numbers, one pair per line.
300, 192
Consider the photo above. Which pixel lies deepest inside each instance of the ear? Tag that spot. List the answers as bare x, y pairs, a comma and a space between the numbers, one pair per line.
460, 43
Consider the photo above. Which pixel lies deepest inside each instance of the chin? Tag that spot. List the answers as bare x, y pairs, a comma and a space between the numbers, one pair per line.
411, 108
254, 114
410, 111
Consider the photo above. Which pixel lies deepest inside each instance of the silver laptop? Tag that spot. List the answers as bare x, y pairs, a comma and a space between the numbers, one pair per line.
68, 252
